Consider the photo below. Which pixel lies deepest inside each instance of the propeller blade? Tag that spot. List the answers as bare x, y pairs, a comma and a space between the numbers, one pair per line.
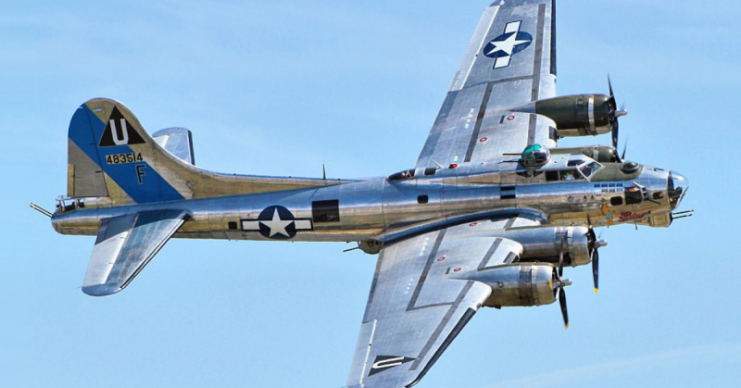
562, 302
560, 257
615, 128
595, 269
560, 264
615, 113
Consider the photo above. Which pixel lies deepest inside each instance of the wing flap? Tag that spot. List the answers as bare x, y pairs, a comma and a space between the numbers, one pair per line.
125, 244
419, 301
398, 350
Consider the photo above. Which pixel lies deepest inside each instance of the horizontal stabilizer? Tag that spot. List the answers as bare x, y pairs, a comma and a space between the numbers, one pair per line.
125, 245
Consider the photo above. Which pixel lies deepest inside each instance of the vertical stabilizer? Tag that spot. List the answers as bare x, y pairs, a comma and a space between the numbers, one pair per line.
113, 157
110, 155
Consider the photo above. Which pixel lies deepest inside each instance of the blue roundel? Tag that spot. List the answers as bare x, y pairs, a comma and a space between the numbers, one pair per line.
277, 222
507, 44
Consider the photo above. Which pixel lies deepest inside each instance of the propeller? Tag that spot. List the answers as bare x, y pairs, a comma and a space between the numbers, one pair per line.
594, 256
614, 114
596, 243
559, 282
562, 303
560, 254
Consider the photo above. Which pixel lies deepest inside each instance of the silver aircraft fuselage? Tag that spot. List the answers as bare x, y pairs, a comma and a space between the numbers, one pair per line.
386, 208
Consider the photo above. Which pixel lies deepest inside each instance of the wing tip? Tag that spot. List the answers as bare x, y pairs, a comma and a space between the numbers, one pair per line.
100, 290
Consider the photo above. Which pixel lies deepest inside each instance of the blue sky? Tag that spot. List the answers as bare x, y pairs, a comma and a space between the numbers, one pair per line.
280, 88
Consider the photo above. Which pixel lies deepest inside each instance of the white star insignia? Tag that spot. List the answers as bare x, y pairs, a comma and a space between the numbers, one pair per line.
277, 225
507, 45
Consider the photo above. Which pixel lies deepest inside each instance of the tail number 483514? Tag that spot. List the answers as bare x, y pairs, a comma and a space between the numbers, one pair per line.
124, 158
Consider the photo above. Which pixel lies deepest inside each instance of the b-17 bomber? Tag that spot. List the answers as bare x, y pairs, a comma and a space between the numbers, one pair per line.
489, 216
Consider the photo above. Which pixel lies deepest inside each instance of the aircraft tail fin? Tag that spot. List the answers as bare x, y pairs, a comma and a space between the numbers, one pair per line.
111, 155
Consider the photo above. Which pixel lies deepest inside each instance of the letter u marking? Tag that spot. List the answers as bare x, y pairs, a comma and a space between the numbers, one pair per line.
124, 138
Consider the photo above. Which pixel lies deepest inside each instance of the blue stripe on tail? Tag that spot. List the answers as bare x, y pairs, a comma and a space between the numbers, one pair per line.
135, 176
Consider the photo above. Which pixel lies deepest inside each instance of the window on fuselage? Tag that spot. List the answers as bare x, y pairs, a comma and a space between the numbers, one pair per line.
325, 211
633, 195
563, 175
569, 175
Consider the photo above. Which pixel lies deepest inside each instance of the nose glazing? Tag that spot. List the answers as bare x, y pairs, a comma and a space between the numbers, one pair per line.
677, 188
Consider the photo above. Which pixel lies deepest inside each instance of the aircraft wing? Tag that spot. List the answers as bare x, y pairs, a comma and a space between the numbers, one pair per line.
421, 299
511, 61
125, 244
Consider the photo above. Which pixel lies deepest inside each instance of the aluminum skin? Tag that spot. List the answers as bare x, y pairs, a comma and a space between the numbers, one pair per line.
489, 215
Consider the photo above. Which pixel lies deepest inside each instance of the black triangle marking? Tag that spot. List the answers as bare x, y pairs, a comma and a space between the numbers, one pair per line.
125, 132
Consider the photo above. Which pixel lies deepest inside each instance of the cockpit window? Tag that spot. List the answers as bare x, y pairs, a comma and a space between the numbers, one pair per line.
589, 168
406, 174
563, 175
569, 175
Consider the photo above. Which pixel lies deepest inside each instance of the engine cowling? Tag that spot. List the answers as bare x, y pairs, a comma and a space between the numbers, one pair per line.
545, 243
519, 284
576, 115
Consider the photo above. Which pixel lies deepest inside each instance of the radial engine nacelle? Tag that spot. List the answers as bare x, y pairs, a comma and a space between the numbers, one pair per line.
577, 115
547, 243
519, 284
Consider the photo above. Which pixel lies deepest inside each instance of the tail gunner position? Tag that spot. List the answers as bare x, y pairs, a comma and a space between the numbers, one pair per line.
489, 215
